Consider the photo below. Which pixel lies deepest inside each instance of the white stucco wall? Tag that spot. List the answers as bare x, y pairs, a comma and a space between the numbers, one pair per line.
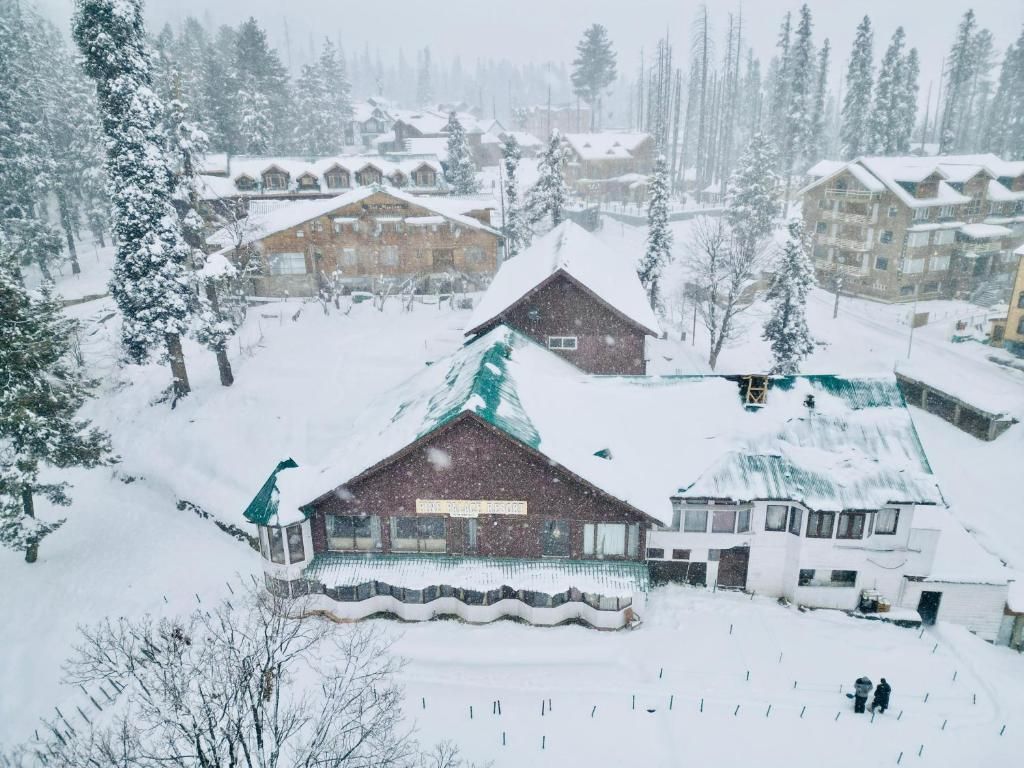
979, 607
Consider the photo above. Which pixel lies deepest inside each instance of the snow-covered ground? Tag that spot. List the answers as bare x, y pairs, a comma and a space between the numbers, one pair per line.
126, 549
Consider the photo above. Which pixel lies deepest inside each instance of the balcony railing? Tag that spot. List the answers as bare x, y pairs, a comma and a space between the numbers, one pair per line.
849, 218
845, 243
849, 194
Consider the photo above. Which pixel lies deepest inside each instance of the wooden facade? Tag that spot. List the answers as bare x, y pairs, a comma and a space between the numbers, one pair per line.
600, 339
556, 500
378, 236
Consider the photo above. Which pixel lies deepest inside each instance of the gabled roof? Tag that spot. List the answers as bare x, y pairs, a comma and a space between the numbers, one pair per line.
606, 145
881, 173
264, 506
640, 440
570, 250
291, 215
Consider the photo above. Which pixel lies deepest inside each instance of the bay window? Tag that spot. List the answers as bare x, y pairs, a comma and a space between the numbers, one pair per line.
887, 521
695, 520
775, 519
795, 520
296, 550
276, 536
819, 525
723, 521
851, 525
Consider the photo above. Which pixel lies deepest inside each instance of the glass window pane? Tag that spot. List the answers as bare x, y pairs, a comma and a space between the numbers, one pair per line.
743, 521
611, 539
887, 521
276, 544
776, 517
296, 551
696, 520
795, 520
588, 539
723, 521
555, 538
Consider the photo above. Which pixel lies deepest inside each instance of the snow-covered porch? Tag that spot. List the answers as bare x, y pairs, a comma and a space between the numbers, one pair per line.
605, 594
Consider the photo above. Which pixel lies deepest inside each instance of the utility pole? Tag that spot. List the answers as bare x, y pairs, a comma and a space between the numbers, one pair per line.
837, 284
913, 318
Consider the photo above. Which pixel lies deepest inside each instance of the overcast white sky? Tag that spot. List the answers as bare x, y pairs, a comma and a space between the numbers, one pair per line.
540, 30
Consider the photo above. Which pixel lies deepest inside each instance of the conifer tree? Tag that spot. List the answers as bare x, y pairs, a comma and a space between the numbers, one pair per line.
752, 200
796, 149
150, 281
424, 86
548, 195
261, 82
779, 79
857, 100
906, 103
593, 68
40, 397
786, 330
460, 173
960, 72
316, 132
516, 232
659, 236
888, 110
818, 133
1006, 128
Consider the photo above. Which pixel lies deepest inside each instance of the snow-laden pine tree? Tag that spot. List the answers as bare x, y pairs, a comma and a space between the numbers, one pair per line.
261, 83
593, 69
515, 229
659, 235
887, 111
255, 130
819, 133
316, 132
548, 195
786, 330
460, 172
960, 71
906, 103
1006, 128
797, 149
857, 99
424, 86
217, 315
752, 199
42, 391
778, 83
150, 282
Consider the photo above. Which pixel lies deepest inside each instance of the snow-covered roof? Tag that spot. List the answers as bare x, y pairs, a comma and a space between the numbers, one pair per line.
857, 448
606, 145
213, 186
571, 250
1000, 194
434, 146
423, 120
286, 217
984, 231
525, 139
824, 168
880, 173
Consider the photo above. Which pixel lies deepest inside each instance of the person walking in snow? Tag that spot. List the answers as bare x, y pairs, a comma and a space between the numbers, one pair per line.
861, 688
881, 699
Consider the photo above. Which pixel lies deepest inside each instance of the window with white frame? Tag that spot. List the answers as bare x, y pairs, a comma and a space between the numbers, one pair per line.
946, 212
795, 520
893, 211
296, 549
353, 532
887, 521
938, 263
944, 237
389, 256
276, 536
723, 521
695, 520
743, 521
913, 266
921, 214
775, 518
287, 263
609, 539
562, 342
917, 239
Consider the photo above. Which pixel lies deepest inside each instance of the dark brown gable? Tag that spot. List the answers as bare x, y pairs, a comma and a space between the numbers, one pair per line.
606, 341
469, 459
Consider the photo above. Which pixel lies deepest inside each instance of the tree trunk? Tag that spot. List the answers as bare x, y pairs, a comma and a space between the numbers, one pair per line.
69, 231
227, 378
179, 374
44, 268
32, 544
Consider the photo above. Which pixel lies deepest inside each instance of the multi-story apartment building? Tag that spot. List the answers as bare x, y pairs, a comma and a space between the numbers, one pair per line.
900, 228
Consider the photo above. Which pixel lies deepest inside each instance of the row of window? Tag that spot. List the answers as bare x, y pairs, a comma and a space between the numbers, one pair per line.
428, 534
278, 182
294, 263
780, 517
275, 541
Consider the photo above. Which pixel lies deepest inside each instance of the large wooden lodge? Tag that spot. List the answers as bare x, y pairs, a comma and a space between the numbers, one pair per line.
507, 479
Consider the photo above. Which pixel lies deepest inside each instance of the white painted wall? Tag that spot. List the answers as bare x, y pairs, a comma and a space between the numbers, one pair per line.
979, 607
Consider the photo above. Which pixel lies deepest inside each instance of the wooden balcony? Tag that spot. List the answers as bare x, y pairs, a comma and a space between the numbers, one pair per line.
845, 244
849, 194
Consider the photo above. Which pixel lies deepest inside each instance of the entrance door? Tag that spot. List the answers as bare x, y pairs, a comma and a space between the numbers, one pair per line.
732, 567
928, 606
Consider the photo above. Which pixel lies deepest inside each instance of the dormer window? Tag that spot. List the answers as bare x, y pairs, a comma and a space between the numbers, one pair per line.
425, 177
245, 183
368, 175
337, 179
275, 180
308, 181
398, 179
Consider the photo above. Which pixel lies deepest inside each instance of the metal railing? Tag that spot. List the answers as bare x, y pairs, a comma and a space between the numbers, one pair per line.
852, 194
845, 243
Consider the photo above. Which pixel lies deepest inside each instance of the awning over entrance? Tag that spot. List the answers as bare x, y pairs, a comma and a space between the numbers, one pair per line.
609, 578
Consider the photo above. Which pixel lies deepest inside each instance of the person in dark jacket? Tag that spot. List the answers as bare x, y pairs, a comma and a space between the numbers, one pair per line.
881, 699
861, 689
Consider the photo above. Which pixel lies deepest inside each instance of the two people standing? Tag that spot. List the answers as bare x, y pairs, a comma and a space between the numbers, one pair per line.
862, 687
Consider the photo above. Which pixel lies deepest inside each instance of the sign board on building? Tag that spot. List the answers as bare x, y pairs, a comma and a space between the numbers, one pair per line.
469, 507
919, 319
